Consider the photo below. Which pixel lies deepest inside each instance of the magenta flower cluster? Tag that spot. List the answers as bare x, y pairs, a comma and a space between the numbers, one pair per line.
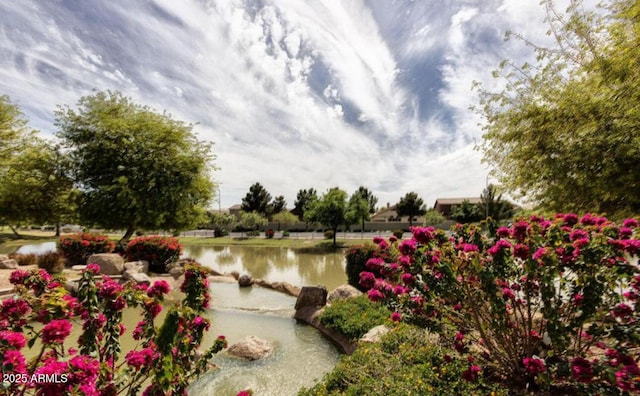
545, 293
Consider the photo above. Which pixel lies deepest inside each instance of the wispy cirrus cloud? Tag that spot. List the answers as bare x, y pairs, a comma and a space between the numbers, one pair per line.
294, 94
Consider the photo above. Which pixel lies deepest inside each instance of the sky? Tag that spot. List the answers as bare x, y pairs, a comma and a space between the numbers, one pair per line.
294, 94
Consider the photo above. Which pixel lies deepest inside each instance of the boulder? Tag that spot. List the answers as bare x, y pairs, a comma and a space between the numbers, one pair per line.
251, 348
235, 274
137, 266
4, 257
137, 277
312, 296
375, 334
245, 280
71, 287
8, 264
287, 288
176, 272
79, 267
109, 263
343, 292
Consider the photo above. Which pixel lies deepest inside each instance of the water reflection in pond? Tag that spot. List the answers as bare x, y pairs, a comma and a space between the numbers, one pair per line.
298, 267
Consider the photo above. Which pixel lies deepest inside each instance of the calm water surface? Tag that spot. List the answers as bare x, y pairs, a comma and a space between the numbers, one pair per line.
298, 267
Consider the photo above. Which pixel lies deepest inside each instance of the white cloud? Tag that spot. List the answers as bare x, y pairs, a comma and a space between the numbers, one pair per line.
294, 94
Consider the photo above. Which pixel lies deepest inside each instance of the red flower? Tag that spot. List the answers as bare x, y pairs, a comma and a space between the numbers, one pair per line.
581, 369
534, 365
471, 374
56, 331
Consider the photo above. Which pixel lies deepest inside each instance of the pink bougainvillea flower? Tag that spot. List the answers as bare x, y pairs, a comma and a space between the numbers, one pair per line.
18, 277
407, 247
159, 288
56, 331
471, 374
521, 251
631, 223
375, 263
375, 295
12, 339
396, 317
93, 268
534, 365
143, 357
581, 369
422, 235
367, 279
14, 361
570, 219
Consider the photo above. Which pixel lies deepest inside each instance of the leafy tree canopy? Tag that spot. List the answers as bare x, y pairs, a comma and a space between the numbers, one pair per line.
303, 200
495, 207
285, 219
277, 205
358, 210
252, 220
368, 196
467, 212
565, 133
136, 168
330, 210
411, 205
256, 200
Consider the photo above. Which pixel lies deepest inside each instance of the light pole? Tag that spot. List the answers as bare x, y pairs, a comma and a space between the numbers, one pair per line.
486, 201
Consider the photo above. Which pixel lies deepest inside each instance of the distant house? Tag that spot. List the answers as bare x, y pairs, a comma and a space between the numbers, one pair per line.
444, 205
235, 210
389, 215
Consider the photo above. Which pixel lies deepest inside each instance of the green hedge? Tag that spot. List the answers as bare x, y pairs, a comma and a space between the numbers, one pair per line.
354, 317
406, 362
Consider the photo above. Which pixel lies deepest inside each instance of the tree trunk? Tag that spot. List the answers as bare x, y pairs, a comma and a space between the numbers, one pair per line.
128, 234
362, 225
335, 233
15, 232
57, 230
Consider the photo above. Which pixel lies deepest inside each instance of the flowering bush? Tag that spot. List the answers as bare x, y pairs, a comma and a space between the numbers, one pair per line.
357, 258
76, 248
538, 304
167, 357
353, 317
269, 233
157, 250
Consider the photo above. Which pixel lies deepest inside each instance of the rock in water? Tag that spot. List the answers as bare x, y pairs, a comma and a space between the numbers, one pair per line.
251, 348
245, 280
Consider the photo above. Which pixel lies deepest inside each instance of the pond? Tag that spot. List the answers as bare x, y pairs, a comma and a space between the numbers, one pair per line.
301, 354
274, 264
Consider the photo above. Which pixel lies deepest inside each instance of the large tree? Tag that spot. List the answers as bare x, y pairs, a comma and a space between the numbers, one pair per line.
565, 132
411, 205
303, 200
257, 200
35, 187
277, 205
136, 168
34, 184
368, 196
358, 210
330, 210
495, 207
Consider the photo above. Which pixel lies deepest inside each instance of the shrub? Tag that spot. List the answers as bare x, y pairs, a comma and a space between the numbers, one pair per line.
25, 259
328, 234
543, 304
407, 361
76, 248
161, 359
397, 233
159, 251
285, 234
253, 233
354, 317
269, 234
51, 262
